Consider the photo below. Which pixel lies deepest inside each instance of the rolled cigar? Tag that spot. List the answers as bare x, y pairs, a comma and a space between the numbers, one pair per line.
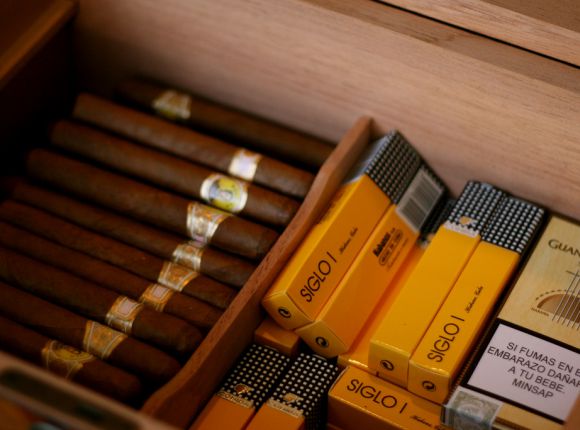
221, 191
226, 123
68, 362
208, 151
149, 204
152, 268
101, 341
218, 265
156, 296
100, 304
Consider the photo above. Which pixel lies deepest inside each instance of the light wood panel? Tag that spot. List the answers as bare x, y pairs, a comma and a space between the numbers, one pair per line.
476, 109
549, 27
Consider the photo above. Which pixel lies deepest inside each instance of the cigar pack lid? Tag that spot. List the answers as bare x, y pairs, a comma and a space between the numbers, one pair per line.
401, 330
376, 265
358, 400
299, 400
378, 180
269, 333
244, 390
471, 409
451, 336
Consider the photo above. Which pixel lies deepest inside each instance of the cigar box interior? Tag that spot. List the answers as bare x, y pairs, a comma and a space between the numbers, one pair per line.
346, 71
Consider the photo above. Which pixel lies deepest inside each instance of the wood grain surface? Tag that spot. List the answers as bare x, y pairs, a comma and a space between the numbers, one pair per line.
551, 28
475, 108
25, 26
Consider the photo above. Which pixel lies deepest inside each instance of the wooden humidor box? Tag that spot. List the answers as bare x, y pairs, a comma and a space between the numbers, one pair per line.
474, 107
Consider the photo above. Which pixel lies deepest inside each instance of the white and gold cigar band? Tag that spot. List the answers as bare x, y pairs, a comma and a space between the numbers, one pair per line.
244, 164
122, 314
175, 276
203, 221
101, 340
173, 105
64, 360
189, 254
224, 192
156, 296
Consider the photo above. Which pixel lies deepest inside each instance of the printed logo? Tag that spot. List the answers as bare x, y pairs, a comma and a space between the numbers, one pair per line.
387, 365
284, 313
242, 389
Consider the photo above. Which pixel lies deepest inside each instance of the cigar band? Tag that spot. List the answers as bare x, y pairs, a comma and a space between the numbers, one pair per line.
173, 105
244, 164
101, 340
122, 314
175, 276
156, 296
224, 192
64, 360
189, 254
203, 221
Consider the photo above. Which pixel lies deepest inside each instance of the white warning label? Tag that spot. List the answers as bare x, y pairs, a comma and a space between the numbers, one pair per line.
530, 371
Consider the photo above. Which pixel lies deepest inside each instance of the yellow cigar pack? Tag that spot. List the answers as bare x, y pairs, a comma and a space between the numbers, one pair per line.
245, 389
370, 275
401, 329
451, 336
271, 334
526, 371
320, 262
358, 353
299, 400
358, 400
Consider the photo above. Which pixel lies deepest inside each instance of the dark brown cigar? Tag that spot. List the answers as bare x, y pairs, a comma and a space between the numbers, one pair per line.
156, 296
152, 268
100, 304
221, 191
196, 147
101, 341
218, 265
227, 123
195, 220
69, 362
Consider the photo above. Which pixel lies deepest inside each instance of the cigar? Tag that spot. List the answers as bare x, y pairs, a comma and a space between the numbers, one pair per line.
208, 151
218, 190
218, 265
68, 362
226, 123
100, 304
149, 204
101, 341
171, 275
156, 296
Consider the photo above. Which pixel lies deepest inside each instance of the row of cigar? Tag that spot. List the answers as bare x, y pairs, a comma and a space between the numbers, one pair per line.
130, 235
